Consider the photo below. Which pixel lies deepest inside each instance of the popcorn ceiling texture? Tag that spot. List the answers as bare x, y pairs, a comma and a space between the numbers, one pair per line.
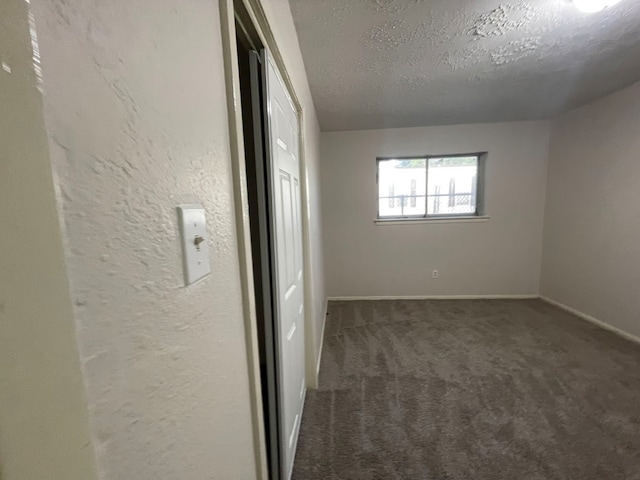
399, 63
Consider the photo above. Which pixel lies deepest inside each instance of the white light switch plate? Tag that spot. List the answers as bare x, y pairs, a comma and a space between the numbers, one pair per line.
195, 242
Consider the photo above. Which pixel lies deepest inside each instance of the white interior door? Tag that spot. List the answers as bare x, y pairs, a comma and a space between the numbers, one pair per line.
289, 291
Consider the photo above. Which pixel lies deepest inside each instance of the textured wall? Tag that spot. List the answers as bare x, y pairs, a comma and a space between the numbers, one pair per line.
497, 257
281, 22
137, 123
44, 429
591, 256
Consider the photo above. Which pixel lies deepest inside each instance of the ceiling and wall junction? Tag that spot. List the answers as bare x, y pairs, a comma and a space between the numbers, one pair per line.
401, 63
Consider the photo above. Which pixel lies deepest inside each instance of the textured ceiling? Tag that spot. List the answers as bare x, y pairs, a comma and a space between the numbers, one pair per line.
398, 63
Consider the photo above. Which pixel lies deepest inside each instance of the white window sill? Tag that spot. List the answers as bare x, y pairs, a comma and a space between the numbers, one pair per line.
415, 221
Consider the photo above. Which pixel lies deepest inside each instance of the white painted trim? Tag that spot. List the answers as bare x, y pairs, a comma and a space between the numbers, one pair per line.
236, 137
241, 208
437, 297
422, 221
592, 320
324, 324
263, 28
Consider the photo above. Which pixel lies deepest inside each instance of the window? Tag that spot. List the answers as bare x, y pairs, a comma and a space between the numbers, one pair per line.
431, 186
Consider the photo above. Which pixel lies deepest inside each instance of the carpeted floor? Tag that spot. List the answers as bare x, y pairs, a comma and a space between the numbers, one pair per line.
473, 390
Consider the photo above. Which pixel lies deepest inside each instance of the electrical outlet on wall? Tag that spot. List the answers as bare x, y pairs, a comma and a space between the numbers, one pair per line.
435, 274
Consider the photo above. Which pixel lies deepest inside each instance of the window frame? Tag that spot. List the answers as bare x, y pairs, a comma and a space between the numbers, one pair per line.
480, 189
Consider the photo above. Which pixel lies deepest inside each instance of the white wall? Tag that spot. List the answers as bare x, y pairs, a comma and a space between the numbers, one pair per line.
136, 118
498, 257
135, 110
44, 428
591, 256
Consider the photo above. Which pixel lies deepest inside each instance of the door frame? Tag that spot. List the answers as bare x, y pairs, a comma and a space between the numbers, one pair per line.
253, 17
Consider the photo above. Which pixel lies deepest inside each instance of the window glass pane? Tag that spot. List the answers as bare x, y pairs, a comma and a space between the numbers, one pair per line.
401, 187
452, 186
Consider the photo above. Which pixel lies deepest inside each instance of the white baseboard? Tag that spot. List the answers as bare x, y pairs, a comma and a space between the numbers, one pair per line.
324, 324
593, 320
437, 297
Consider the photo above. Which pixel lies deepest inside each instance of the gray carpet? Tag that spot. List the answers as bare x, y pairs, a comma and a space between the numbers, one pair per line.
479, 389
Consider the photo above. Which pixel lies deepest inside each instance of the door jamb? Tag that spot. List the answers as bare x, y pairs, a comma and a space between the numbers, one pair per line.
258, 20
